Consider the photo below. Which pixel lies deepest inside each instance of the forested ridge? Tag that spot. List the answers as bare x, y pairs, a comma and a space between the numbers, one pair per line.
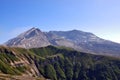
59, 63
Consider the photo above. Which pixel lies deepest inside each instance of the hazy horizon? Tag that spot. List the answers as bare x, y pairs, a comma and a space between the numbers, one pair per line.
100, 17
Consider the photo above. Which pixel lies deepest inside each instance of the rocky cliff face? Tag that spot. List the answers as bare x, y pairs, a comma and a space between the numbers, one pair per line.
79, 40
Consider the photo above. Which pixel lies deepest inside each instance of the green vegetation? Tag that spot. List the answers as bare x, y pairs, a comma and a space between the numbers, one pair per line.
50, 72
61, 64
7, 69
73, 65
59, 72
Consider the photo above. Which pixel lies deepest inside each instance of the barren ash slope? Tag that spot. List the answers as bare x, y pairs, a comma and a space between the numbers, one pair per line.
79, 40
32, 38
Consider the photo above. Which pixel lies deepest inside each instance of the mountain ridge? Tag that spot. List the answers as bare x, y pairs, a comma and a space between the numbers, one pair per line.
79, 40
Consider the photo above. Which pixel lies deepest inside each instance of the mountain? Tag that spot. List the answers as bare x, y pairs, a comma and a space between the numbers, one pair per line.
88, 42
56, 63
29, 39
79, 40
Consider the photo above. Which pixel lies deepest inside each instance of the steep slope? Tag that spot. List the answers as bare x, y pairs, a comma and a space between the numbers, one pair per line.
88, 42
17, 61
64, 64
29, 39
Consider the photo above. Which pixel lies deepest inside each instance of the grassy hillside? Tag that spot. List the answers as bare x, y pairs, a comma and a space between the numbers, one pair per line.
58, 64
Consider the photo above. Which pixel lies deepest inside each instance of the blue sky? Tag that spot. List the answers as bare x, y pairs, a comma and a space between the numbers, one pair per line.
101, 17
